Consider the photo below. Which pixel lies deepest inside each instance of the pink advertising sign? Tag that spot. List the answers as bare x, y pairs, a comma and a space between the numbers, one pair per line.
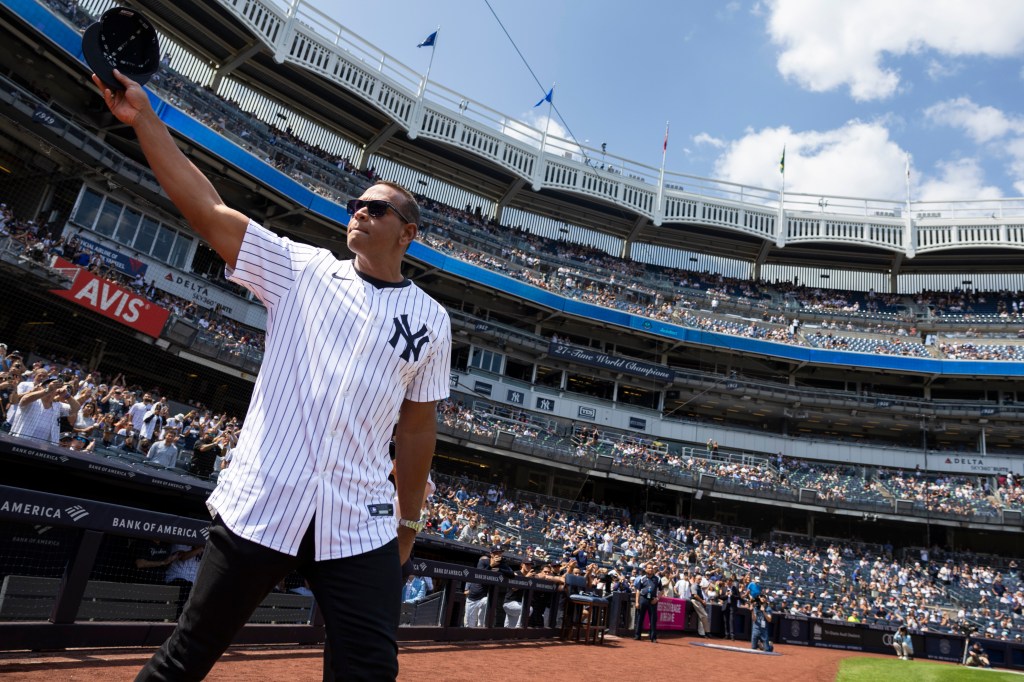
671, 614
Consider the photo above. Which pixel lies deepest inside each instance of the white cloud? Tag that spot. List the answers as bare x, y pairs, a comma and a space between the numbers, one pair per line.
531, 131
1015, 149
937, 70
1000, 132
728, 11
827, 45
981, 123
705, 138
858, 159
959, 179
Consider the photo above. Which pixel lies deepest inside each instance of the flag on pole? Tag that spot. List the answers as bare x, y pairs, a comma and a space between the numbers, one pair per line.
545, 98
664, 145
782, 161
429, 40
908, 166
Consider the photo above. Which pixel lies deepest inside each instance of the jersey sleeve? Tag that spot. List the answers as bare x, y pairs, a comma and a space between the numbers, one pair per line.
431, 382
268, 264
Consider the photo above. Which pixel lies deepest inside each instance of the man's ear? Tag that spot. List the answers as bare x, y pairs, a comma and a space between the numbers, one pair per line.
409, 233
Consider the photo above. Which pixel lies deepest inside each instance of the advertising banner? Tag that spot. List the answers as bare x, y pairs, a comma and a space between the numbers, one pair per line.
437, 569
112, 301
943, 647
112, 257
671, 614
794, 630
850, 636
30, 506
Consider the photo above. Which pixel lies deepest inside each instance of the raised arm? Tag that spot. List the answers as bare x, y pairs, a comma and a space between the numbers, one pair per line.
194, 195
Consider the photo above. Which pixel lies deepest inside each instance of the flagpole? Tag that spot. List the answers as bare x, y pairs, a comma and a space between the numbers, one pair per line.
538, 168
659, 211
417, 108
908, 184
780, 231
547, 122
909, 238
430, 64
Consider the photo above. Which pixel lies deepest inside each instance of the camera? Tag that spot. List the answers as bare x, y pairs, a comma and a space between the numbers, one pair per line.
966, 628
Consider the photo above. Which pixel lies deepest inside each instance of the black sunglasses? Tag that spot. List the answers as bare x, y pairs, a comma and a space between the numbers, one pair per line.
375, 207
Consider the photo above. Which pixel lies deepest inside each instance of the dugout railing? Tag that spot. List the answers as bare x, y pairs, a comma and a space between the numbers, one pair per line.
65, 581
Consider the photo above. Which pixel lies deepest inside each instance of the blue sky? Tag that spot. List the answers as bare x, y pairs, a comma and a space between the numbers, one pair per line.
850, 88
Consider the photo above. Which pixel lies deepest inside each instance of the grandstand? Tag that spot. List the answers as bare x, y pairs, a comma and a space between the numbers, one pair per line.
820, 437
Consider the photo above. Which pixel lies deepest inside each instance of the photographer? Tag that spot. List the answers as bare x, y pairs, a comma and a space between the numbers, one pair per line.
976, 657
760, 622
40, 411
902, 643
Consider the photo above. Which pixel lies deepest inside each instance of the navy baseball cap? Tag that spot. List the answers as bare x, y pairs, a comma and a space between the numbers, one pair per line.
125, 40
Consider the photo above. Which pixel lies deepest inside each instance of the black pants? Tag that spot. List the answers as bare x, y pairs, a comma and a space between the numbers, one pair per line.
359, 596
729, 619
651, 608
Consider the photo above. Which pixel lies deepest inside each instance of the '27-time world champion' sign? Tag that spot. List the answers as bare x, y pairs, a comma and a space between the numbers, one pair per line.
588, 356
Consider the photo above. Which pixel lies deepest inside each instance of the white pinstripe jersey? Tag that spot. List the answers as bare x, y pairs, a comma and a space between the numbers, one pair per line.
341, 356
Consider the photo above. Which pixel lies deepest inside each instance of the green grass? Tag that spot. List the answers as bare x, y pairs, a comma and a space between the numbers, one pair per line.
884, 670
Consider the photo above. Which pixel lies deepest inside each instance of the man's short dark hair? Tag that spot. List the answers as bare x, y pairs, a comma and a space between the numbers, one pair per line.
406, 204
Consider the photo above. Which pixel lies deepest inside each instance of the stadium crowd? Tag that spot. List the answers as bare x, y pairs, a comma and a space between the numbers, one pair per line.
608, 546
853, 582
58, 400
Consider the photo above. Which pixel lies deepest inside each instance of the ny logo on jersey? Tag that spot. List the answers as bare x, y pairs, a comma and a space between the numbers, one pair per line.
413, 342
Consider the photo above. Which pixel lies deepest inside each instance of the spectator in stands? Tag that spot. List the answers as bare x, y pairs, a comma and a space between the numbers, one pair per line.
164, 453
139, 410
41, 409
153, 422
205, 454
86, 423
8, 385
108, 431
129, 443
113, 401
24, 385
449, 526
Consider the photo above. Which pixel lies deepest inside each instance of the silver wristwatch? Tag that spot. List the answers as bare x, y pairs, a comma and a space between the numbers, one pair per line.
415, 525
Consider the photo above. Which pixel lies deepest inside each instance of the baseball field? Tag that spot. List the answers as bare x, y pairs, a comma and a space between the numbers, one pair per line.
618, 660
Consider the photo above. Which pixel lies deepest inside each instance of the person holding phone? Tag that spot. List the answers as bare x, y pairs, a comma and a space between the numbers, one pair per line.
40, 411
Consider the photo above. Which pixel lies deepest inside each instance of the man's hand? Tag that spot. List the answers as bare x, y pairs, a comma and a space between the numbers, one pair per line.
125, 104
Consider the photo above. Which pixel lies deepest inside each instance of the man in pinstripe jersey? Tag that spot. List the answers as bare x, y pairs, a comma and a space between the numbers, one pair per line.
353, 349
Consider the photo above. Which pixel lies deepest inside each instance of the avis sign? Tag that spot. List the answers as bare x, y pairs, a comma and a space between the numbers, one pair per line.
113, 301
